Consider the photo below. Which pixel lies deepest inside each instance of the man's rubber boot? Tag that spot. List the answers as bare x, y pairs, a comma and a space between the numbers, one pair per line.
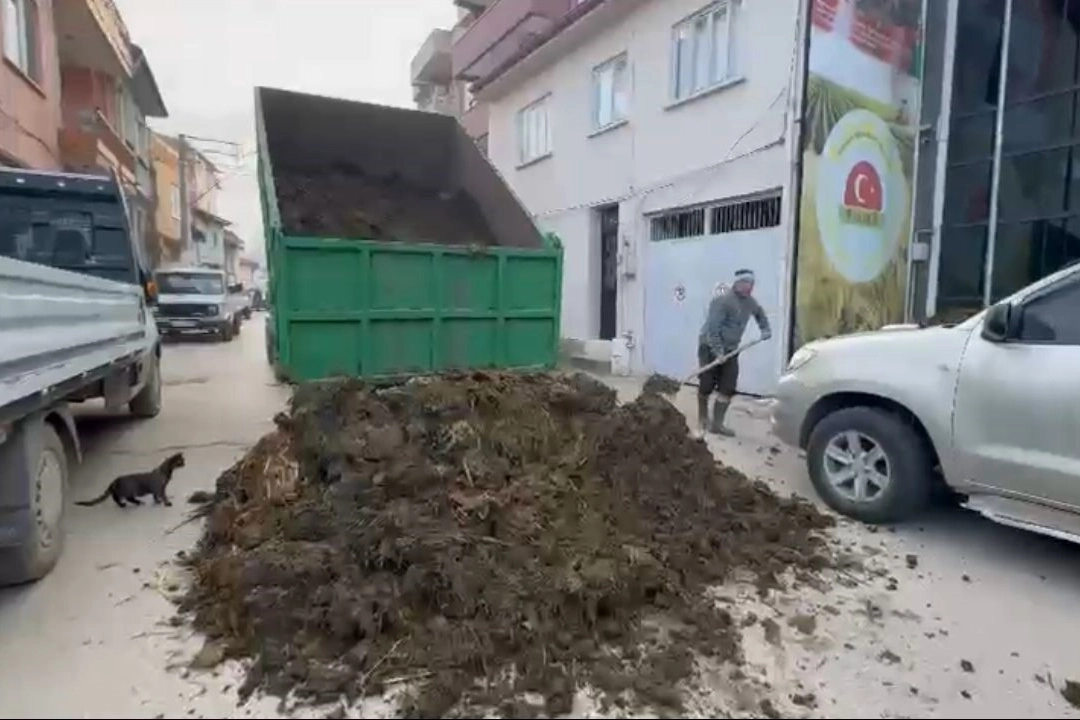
702, 414
717, 426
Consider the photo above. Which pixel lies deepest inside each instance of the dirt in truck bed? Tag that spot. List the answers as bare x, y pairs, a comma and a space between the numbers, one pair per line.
345, 203
486, 541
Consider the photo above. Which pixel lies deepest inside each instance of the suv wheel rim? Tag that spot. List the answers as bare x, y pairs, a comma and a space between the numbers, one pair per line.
856, 466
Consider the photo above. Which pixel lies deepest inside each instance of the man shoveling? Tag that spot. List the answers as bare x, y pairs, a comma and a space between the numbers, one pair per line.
728, 315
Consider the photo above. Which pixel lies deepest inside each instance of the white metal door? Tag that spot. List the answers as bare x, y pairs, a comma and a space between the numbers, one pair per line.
679, 279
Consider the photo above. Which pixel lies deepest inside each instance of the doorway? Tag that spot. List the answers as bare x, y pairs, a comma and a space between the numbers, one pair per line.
609, 270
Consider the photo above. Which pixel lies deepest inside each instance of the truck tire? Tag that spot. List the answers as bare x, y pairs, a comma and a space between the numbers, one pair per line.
237, 325
147, 403
44, 467
225, 334
870, 464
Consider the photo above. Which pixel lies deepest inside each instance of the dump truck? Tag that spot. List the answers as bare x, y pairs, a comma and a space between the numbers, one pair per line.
394, 247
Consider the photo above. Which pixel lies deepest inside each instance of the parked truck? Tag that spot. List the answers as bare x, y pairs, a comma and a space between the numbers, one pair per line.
394, 247
75, 324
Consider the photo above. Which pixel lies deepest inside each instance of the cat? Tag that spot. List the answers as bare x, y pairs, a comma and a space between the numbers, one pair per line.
128, 488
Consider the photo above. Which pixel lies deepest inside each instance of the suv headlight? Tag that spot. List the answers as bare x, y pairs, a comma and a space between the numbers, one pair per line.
800, 358
213, 309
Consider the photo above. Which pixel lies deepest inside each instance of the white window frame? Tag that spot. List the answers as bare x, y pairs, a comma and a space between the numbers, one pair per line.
175, 201
20, 35
534, 141
617, 106
709, 38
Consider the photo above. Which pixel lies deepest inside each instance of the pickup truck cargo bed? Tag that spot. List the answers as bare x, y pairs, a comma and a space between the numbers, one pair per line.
57, 325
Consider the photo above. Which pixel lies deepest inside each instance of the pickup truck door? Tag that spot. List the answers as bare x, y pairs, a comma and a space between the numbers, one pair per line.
1016, 425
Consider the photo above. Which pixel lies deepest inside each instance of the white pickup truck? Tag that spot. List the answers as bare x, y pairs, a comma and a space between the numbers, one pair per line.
74, 325
990, 406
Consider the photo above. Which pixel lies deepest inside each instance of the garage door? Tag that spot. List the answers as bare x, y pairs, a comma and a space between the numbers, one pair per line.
680, 275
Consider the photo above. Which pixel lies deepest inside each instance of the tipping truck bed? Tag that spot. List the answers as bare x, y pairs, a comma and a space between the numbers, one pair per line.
394, 247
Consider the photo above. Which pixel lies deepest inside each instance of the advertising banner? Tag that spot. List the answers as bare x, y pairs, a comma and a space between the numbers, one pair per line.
858, 146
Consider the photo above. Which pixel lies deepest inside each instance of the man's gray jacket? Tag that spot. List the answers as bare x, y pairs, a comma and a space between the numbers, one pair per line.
726, 322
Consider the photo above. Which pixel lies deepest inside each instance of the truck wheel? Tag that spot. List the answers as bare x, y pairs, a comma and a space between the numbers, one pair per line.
44, 467
237, 325
147, 403
870, 464
225, 334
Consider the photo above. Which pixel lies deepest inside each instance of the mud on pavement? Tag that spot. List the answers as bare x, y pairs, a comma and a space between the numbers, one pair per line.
489, 539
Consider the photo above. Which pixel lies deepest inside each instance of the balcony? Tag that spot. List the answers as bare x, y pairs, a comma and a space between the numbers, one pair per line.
476, 6
92, 144
92, 34
431, 64
501, 32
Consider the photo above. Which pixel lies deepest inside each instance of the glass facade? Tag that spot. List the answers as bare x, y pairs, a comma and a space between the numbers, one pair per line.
1011, 210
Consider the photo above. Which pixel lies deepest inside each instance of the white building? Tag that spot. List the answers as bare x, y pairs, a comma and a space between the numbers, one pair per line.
650, 135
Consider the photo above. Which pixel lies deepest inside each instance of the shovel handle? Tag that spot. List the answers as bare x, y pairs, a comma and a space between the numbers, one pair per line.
722, 359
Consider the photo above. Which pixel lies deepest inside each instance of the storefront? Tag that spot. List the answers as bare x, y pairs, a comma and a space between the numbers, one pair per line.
1008, 211
940, 166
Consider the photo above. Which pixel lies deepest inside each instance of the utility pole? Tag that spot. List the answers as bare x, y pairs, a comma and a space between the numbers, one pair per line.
185, 209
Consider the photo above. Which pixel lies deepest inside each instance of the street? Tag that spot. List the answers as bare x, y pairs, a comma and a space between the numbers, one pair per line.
952, 617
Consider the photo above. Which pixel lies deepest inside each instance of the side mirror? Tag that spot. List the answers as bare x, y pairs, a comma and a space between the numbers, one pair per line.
150, 288
236, 287
998, 323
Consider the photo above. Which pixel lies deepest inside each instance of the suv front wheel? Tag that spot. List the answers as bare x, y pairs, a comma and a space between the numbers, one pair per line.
870, 464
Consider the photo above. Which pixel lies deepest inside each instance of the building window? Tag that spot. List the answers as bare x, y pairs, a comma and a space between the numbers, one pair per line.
678, 224
732, 216
755, 214
610, 93
703, 50
533, 132
175, 202
20, 23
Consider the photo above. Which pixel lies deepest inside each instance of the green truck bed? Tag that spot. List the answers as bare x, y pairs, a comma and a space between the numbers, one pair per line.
394, 247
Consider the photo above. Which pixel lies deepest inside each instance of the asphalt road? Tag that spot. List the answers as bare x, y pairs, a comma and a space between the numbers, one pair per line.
93, 640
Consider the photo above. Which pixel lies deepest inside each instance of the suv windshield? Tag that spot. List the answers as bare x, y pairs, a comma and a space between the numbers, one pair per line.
190, 284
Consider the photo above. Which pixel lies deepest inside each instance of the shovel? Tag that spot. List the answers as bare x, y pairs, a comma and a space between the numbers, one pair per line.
721, 360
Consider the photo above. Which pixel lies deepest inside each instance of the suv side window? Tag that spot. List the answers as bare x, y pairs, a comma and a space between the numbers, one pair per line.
1053, 318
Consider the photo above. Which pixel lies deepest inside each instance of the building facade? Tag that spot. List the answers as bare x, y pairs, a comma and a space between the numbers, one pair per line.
75, 93
651, 137
29, 86
207, 245
871, 162
1000, 204
107, 93
167, 247
440, 84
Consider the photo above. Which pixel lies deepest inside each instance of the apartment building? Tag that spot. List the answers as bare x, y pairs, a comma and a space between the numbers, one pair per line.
651, 136
207, 244
108, 91
75, 93
29, 86
439, 85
